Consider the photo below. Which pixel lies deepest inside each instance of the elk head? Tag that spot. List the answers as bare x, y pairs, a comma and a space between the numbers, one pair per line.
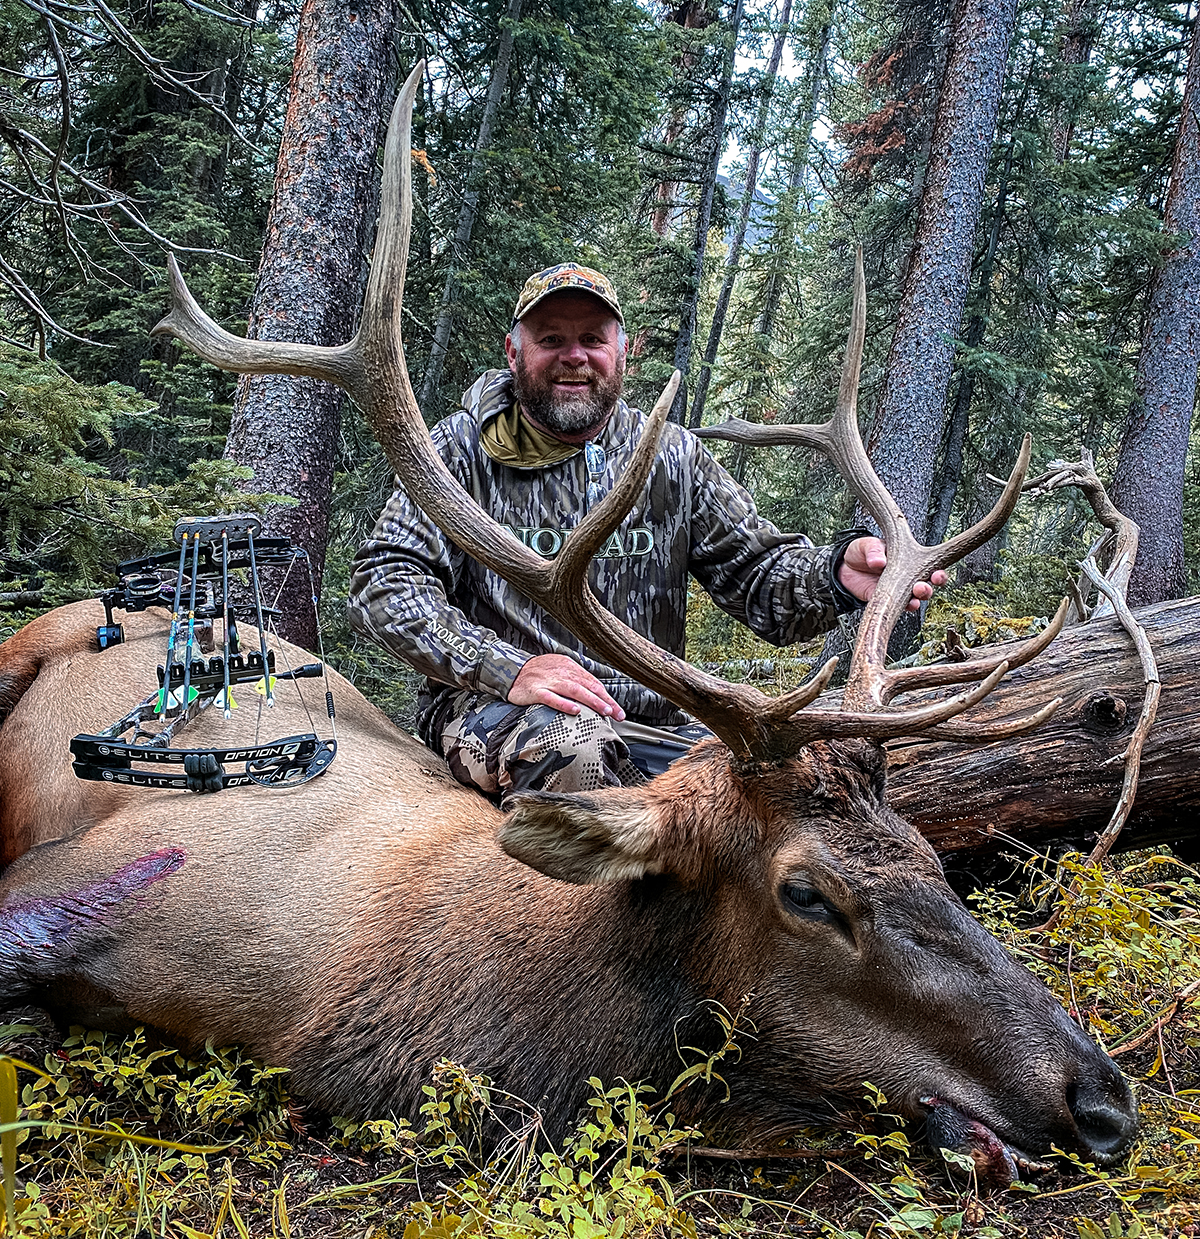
796, 885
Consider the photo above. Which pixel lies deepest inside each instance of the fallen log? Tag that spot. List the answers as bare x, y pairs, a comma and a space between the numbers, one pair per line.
1059, 784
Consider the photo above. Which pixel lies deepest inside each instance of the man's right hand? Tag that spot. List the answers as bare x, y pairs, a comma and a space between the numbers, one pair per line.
558, 681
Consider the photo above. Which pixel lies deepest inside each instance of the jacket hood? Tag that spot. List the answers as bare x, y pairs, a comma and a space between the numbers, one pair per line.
488, 396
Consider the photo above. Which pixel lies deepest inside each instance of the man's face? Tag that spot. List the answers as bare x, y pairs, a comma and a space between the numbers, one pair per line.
569, 368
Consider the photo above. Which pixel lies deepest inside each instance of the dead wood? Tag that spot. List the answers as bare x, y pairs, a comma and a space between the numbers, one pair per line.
1061, 784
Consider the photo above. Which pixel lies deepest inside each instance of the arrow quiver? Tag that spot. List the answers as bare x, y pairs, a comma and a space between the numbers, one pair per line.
193, 584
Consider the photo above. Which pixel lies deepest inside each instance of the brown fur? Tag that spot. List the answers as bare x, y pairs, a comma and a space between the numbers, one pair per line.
361, 927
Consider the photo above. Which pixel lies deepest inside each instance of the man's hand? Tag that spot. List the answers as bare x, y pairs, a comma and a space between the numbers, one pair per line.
558, 681
864, 560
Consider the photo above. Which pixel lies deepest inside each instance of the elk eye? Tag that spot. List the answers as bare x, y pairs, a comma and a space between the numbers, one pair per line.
803, 900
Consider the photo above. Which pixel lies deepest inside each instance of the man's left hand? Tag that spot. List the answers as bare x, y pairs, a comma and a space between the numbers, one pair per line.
864, 560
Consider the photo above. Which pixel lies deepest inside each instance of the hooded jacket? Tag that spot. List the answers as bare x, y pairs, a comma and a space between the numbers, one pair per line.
464, 627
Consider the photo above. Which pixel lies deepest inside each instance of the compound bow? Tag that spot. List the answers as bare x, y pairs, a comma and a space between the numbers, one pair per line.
188, 683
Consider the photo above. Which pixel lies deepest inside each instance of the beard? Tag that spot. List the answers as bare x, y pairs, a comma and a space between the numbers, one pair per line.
567, 412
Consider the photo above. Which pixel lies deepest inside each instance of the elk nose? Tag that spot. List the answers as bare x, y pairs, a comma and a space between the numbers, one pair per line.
1105, 1116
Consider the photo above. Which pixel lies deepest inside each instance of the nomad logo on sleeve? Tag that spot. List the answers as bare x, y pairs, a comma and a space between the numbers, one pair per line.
453, 641
548, 542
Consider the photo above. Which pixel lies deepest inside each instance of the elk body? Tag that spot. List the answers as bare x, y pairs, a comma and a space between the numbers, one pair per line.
363, 926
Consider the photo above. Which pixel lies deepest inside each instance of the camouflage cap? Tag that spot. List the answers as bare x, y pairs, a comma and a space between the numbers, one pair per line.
567, 277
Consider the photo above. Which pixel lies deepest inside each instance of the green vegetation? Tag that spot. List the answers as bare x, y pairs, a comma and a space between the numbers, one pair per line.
123, 1136
67, 516
596, 154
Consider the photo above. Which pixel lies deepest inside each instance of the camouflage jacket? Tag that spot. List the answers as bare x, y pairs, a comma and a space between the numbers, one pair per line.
465, 628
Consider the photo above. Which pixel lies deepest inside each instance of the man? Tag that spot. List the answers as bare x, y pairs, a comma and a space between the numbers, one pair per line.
513, 700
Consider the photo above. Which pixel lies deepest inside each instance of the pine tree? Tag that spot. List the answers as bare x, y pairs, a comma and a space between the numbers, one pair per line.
1148, 486
460, 246
124, 134
907, 432
560, 180
713, 146
319, 232
749, 196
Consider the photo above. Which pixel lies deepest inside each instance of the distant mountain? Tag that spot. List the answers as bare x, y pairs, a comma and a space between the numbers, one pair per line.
759, 212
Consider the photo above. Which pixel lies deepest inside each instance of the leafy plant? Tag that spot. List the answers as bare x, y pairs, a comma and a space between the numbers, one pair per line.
66, 518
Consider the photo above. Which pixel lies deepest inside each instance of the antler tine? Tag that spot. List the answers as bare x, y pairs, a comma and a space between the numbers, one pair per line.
962, 544
390, 403
840, 441
888, 724
938, 675
570, 568
188, 323
758, 434
981, 733
866, 686
870, 682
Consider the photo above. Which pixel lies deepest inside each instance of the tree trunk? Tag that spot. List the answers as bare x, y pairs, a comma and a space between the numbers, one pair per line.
1074, 54
309, 280
692, 15
461, 248
749, 190
783, 240
1148, 486
1060, 783
950, 470
687, 320
785, 237
908, 430
674, 151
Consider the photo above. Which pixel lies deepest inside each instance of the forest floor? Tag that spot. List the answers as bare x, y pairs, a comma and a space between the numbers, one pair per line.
127, 1136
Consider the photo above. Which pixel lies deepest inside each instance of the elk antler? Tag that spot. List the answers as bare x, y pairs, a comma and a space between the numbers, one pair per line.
870, 685
372, 369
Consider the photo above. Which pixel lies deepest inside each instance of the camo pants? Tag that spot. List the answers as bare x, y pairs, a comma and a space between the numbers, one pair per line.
499, 748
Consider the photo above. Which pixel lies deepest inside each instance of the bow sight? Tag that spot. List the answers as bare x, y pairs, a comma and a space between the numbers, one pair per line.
189, 683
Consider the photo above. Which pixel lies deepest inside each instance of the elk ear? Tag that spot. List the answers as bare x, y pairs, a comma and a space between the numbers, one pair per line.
602, 836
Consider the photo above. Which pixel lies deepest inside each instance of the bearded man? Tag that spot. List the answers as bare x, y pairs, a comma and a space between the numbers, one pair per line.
512, 699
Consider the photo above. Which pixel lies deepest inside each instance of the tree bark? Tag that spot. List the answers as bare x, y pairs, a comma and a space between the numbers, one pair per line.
908, 430
1060, 783
785, 237
691, 15
749, 190
1075, 53
691, 303
1148, 486
460, 250
950, 470
318, 236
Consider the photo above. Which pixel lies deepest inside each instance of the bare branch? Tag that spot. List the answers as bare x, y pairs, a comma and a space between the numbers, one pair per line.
158, 68
64, 135
114, 29
116, 201
30, 301
225, 15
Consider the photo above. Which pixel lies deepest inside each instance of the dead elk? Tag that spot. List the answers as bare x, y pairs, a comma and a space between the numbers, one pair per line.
359, 928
